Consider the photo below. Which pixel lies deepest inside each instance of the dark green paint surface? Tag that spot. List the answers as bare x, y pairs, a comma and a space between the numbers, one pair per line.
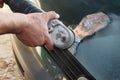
72, 11
100, 54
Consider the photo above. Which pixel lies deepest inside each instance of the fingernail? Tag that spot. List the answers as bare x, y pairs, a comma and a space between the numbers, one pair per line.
57, 15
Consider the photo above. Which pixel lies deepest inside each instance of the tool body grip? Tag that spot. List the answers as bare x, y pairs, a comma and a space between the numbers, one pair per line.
22, 6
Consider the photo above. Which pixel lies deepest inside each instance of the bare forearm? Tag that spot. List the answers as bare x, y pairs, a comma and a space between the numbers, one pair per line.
10, 22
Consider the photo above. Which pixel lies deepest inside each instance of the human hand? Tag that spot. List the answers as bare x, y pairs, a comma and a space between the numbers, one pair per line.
34, 32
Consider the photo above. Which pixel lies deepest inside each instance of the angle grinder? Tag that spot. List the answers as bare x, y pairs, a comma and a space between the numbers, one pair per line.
62, 36
65, 38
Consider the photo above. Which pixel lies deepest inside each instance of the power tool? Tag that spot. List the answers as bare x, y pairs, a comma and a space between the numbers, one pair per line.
66, 38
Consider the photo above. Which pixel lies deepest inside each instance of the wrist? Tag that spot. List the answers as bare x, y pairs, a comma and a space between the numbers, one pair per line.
12, 22
19, 22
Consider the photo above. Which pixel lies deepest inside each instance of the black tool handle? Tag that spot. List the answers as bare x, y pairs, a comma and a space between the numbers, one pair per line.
22, 6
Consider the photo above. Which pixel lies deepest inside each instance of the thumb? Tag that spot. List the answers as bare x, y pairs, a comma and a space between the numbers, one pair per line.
52, 15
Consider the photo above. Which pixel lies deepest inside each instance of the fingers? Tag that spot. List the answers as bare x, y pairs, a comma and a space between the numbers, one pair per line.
48, 42
51, 15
